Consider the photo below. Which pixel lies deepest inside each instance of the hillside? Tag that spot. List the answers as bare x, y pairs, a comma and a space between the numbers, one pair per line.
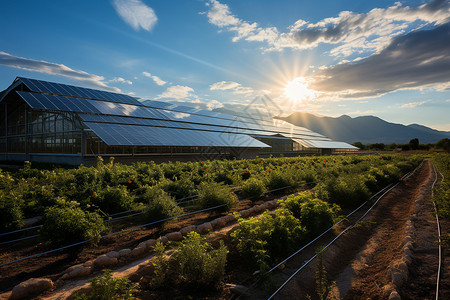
365, 129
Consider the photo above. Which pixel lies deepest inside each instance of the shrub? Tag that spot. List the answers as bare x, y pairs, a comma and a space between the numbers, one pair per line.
263, 240
197, 263
160, 205
212, 194
105, 287
10, 211
253, 188
347, 190
64, 225
114, 199
278, 180
317, 215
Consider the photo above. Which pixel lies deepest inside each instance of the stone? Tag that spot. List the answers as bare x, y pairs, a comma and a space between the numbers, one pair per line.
245, 213
204, 228
163, 239
89, 263
387, 290
124, 252
142, 245
394, 296
104, 261
229, 219
150, 243
138, 251
80, 271
238, 289
398, 278
187, 229
30, 288
174, 236
218, 223
258, 209
70, 269
113, 254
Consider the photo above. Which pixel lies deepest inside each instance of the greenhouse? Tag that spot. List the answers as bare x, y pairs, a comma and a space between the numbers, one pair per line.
51, 122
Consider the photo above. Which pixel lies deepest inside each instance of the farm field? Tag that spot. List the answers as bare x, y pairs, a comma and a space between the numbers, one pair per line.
259, 212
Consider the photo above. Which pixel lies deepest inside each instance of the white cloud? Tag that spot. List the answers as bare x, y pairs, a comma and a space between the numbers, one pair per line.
121, 80
42, 66
351, 32
414, 104
224, 85
155, 78
136, 14
236, 88
214, 104
177, 92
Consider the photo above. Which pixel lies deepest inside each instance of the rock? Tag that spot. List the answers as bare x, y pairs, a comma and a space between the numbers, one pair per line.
70, 269
142, 245
89, 263
229, 219
218, 223
401, 266
408, 259
81, 271
387, 290
31, 287
238, 289
245, 213
113, 254
150, 243
394, 296
104, 261
258, 209
138, 251
174, 236
398, 278
187, 229
163, 239
204, 228
124, 252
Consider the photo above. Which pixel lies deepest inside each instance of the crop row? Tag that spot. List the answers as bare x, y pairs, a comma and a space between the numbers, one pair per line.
74, 201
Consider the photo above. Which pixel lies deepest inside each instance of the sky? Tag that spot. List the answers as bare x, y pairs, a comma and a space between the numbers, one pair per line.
390, 59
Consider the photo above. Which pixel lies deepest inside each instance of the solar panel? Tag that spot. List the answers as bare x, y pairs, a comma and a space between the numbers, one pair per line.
69, 90
119, 134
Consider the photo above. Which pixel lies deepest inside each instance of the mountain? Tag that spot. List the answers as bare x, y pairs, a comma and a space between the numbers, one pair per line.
365, 129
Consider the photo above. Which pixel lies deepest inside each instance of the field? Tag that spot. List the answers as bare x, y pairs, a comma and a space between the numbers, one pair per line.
257, 213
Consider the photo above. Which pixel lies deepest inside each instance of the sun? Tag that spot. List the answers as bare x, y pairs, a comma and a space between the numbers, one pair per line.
298, 90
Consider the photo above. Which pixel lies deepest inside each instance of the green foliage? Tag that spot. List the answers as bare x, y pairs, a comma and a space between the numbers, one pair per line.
263, 240
105, 287
10, 211
314, 214
253, 188
114, 199
197, 263
70, 224
159, 204
444, 144
212, 194
194, 264
347, 190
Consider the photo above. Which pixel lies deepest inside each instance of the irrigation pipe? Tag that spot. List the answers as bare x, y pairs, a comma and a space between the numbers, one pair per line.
439, 232
15, 231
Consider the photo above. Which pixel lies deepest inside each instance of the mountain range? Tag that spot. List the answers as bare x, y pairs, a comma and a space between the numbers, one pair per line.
365, 129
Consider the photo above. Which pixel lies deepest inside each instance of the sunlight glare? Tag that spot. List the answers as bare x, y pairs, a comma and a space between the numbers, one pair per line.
298, 91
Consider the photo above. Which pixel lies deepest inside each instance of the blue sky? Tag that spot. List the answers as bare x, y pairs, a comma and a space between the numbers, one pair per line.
384, 58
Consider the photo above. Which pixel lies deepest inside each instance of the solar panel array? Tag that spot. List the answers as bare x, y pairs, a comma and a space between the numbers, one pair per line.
123, 120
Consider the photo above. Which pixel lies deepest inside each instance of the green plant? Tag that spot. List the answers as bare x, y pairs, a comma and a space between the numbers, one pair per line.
253, 188
161, 266
105, 287
10, 211
70, 224
159, 204
212, 194
197, 263
114, 199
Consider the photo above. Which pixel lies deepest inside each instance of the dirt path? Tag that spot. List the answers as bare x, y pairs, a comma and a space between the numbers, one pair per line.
360, 260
